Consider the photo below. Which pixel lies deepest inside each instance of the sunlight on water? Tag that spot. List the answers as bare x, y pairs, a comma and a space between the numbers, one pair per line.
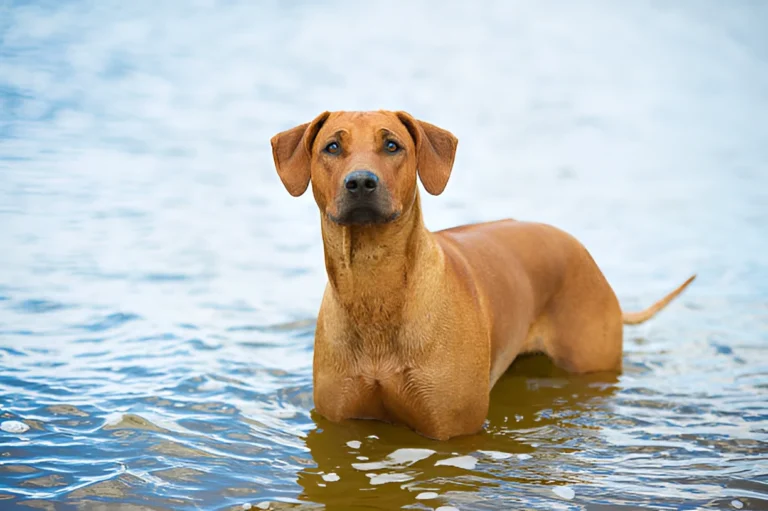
158, 286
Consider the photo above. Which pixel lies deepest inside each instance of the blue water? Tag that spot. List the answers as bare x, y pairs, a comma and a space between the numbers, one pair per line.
158, 286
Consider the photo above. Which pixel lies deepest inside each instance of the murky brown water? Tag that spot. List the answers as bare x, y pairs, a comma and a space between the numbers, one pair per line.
158, 287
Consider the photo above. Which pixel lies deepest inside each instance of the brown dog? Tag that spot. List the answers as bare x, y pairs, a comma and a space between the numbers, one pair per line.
416, 327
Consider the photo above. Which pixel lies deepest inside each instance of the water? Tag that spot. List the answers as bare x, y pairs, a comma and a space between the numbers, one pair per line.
158, 287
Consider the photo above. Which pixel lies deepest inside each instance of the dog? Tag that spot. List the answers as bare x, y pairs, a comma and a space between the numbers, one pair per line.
416, 327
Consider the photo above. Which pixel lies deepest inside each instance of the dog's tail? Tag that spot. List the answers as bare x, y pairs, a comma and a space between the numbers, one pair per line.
635, 318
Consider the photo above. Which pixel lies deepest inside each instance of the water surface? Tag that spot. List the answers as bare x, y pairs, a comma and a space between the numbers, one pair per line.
158, 286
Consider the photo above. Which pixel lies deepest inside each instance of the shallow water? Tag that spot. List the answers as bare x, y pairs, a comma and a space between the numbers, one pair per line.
158, 286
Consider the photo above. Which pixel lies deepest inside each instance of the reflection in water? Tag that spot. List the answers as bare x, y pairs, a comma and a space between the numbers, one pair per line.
158, 287
539, 419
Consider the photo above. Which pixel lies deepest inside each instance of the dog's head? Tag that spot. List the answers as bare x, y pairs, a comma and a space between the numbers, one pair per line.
363, 165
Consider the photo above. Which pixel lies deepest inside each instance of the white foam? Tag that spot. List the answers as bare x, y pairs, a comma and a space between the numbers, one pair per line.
247, 506
737, 504
523, 457
332, 477
113, 419
264, 505
427, 495
400, 457
410, 456
467, 462
210, 385
14, 427
447, 508
496, 455
282, 413
354, 444
377, 479
363, 458
564, 492
373, 465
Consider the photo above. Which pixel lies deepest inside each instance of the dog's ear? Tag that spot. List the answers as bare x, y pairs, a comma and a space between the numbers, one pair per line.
435, 151
291, 151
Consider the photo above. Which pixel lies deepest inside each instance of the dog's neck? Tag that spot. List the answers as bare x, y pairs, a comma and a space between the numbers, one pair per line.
371, 267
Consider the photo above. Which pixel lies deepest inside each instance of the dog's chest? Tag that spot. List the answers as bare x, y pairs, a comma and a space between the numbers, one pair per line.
379, 369
378, 388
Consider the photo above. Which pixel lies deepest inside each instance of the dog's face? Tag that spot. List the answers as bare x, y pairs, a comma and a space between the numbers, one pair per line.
363, 165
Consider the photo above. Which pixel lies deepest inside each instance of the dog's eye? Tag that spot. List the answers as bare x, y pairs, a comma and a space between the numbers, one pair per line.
391, 146
333, 148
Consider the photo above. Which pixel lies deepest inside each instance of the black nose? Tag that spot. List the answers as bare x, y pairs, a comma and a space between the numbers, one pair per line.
361, 182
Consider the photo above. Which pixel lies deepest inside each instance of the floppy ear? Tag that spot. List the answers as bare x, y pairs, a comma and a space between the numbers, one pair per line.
435, 151
291, 151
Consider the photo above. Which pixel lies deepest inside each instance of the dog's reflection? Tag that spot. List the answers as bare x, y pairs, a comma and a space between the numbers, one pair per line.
534, 407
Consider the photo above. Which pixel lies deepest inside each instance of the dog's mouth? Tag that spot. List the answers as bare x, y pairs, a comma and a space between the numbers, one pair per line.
363, 215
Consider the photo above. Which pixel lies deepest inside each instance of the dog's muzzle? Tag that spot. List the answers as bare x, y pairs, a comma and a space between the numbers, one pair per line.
363, 201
